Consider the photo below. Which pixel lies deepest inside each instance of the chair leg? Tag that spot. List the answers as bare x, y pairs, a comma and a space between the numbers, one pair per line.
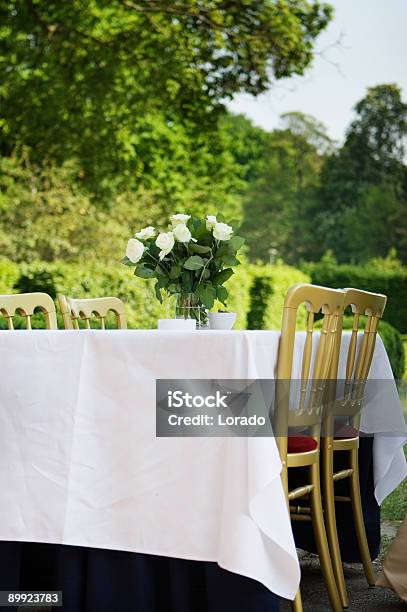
330, 524
359, 520
297, 603
320, 539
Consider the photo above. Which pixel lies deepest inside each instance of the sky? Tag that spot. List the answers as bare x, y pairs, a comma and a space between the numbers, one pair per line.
364, 45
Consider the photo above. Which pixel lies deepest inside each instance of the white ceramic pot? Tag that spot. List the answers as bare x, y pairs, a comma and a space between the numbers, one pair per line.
177, 324
222, 320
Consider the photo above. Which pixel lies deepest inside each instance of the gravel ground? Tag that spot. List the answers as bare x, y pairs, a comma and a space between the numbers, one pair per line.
361, 596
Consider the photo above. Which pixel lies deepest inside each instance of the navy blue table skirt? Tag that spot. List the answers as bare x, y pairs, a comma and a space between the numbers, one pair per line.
96, 580
371, 510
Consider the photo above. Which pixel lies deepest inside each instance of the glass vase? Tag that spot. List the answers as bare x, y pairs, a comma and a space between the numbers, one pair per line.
189, 306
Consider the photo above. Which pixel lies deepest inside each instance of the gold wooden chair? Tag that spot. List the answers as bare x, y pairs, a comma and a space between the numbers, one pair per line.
344, 436
303, 451
25, 304
73, 310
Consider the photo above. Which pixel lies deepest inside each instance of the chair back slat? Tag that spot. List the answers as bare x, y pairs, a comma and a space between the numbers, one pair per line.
25, 305
350, 362
73, 310
371, 305
359, 355
314, 373
306, 359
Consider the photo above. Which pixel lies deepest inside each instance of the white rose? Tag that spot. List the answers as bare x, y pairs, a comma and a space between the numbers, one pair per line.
222, 231
165, 242
146, 233
134, 250
182, 233
210, 222
179, 219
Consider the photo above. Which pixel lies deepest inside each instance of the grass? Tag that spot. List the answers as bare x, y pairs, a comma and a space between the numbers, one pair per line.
394, 507
404, 340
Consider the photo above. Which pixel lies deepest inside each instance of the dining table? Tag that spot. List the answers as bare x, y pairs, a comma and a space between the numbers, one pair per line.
97, 506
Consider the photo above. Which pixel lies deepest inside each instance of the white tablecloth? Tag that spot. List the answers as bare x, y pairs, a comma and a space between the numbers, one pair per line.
81, 465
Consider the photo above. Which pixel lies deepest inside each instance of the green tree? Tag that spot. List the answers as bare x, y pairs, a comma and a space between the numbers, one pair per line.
246, 144
363, 193
45, 215
79, 79
278, 205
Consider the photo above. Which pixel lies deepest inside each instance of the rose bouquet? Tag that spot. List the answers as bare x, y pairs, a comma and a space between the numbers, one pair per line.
191, 260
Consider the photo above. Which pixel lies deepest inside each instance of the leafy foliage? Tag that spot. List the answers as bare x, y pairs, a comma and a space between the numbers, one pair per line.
260, 292
379, 278
105, 82
296, 199
363, 191
267, 294
312, 197
93, 279
394, 348
283, 191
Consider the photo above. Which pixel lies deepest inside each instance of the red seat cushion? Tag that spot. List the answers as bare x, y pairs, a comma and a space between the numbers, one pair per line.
344, 432
301, 444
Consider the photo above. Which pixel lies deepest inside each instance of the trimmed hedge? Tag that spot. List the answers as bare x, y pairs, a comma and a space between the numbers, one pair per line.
394, 347
270, 284
256, 294
142, 308
9, 273
238, 301
93, 280
392, 283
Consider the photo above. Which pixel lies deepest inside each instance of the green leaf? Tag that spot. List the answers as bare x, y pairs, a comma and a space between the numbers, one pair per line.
143, 272
158, 293
194, 263
126, 261
163, 281
230, 260
222, 277
186, 281
235, 223
199, 248
207, 295
222, 294
223, 249
200, 232
175, 271
161, 271
195, 224
236, 242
